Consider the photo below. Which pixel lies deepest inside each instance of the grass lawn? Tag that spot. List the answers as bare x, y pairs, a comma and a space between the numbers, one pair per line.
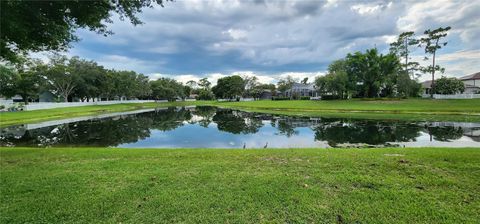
12, 118
96, 185
420, 106
410, 109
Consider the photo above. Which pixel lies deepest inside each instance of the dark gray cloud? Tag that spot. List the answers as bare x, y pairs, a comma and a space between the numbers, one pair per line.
199, 38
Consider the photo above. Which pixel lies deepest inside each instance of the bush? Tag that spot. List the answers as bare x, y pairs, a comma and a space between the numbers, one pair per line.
305, 98
280, 98
205, 94
446, 85
330, 97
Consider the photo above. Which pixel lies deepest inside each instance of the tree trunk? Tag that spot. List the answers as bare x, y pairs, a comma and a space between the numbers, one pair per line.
432, 87
25, 99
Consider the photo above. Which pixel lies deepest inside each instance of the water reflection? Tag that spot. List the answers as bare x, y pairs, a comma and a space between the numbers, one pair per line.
213, 127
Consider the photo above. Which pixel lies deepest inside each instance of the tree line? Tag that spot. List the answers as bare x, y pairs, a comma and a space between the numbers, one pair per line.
82, 80
371, 74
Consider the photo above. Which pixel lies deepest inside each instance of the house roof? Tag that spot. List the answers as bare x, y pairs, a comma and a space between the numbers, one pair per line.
474, 76
427, 84
303, 86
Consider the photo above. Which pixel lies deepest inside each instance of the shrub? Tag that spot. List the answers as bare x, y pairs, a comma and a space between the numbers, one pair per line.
330, 97
446, 85
205, 94
280, 98
305, 98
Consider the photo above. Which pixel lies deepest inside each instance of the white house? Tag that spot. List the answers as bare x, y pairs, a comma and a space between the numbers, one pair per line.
472, 83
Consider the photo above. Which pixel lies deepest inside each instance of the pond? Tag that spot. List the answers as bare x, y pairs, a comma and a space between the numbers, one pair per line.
211, 127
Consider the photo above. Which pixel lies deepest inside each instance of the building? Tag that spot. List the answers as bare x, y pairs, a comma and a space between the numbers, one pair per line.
471, 82
300, 89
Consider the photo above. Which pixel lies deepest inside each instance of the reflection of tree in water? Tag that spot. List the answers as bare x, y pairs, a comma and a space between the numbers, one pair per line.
368, 132
445, 133
169, 119
237, 122
130, 128
206, 113
285, 128
98, 132
103, 132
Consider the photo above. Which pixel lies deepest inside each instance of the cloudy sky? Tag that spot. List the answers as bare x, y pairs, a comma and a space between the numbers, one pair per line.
192, 39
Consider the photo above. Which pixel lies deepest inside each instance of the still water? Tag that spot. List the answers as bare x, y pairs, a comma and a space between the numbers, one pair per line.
211, 127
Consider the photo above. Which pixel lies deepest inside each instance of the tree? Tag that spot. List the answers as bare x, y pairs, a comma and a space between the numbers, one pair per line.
336, 81
8, 79
401, 48
305, 80
91, 78
389, 69
334, 84
51, 25
192, 84
206, 94
59, 77
229, 87
285, 84
369, 72
25, 82
166, 88
449, 86
250, 84
204, 83
407, 87
432, 43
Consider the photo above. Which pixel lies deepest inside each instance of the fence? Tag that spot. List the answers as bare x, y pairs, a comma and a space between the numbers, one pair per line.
43, 105
453, 96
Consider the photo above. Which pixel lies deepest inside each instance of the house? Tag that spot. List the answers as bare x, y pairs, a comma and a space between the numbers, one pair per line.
471, 82
300, 89
267, 94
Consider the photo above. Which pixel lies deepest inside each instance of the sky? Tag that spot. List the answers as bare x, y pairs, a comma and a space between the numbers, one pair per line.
191, 39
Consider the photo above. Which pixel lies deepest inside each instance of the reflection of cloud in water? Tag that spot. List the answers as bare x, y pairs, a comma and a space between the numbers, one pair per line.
425, 140
195, 136
207, 127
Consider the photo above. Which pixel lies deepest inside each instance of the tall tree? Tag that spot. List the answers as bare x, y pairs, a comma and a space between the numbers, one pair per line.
432, 43
192, 84
229, 87
204, 83
305, 80
401, 48
169, 89
250, 84
51, 25
91, 78
285, 84
60, 79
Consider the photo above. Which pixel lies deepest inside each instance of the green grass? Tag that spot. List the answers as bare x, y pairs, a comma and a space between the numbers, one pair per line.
410, 109
420, 106
12, 118
108, 185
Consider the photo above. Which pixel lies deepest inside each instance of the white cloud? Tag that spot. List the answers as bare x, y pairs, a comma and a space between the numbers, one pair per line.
262, 78
236, 34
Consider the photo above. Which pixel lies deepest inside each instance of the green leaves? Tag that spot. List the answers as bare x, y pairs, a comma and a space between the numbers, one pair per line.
50, 25
229, 87
446, 85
